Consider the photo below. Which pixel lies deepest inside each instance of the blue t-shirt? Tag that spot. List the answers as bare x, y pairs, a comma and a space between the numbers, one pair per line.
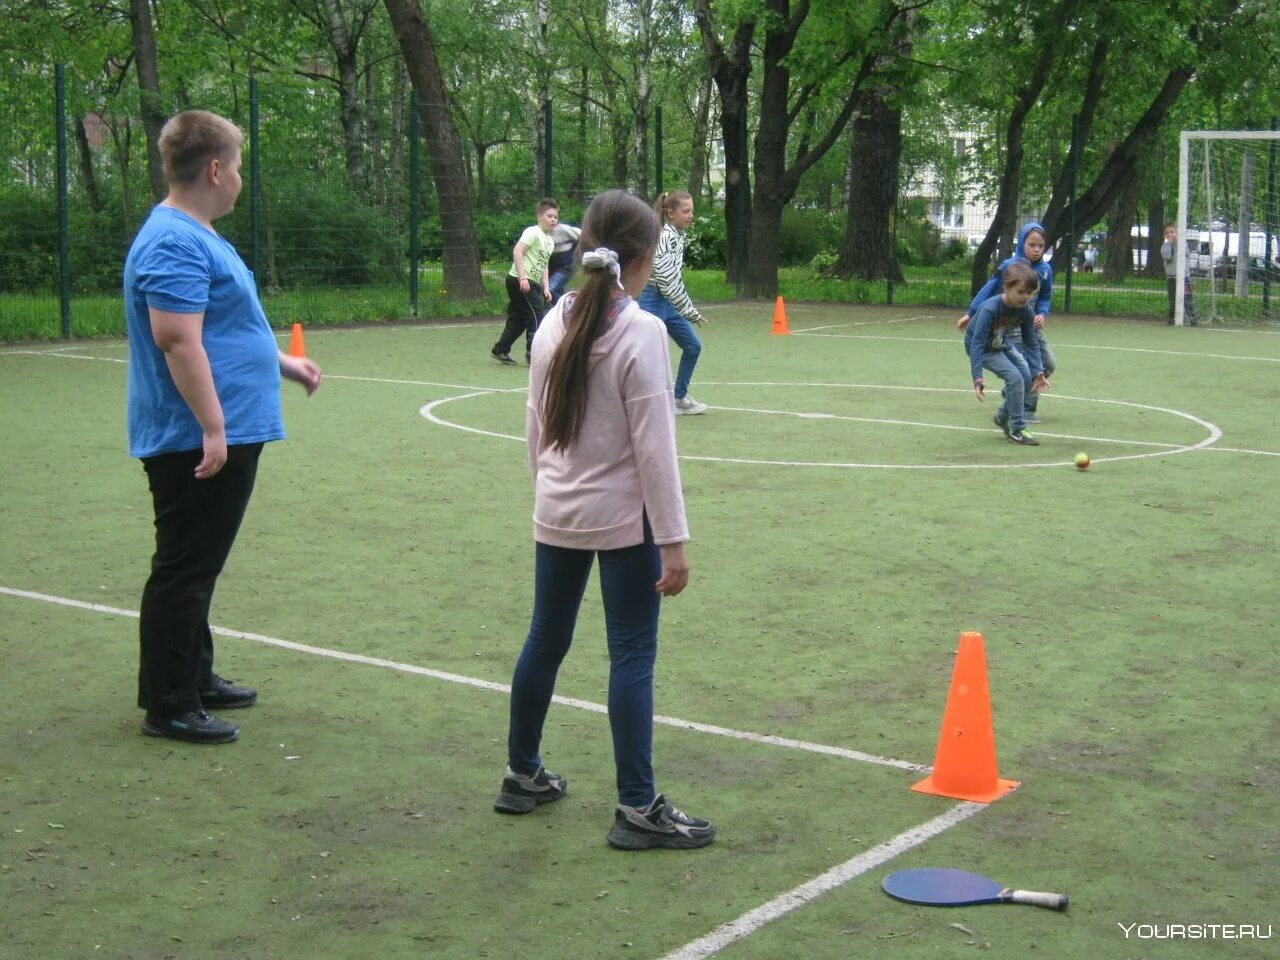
177, 265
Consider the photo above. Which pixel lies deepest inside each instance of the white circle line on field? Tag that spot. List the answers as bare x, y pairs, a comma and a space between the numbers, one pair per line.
428, 411
955, 341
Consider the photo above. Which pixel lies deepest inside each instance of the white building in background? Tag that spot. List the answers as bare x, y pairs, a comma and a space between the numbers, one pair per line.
967, 219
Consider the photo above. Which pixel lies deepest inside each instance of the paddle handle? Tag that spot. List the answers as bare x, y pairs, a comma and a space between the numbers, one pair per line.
1036, 898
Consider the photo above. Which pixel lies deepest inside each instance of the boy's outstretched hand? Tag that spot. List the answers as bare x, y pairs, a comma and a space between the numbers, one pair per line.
962, 323
1039, 321
979, 386
1040, 384
300, 370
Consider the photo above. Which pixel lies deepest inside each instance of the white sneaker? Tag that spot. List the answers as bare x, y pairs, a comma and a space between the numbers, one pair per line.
688, 405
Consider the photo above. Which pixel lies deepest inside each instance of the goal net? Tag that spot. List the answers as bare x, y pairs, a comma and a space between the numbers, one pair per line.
1226, 266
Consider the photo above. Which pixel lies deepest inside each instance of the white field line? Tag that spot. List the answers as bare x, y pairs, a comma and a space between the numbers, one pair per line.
956, 341
1260, 453
779, 906
486, 684
859, 323
940, 426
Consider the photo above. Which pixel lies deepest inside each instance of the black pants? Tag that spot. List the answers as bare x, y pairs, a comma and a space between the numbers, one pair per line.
196, 524
524, 312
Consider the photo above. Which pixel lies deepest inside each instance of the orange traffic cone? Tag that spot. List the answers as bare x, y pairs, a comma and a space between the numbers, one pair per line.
779, 319
965, 765
296, 347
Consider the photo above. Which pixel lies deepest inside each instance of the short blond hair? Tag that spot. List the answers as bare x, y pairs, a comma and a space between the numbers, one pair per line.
190, 139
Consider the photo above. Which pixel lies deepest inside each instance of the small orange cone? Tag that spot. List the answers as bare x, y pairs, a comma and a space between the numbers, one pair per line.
965, 765
296, 347
780, 327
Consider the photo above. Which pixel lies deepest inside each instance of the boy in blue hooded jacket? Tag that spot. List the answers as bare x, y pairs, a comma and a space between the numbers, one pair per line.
987, 343
1030, 246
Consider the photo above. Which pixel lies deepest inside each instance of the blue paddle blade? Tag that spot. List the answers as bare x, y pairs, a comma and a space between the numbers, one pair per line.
941, 887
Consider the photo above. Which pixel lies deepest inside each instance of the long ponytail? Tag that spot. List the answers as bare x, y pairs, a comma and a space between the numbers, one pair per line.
620, 222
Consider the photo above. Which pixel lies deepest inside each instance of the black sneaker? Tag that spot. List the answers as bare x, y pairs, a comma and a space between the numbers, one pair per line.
501, 357
1002, 424
225, 695
1023, 439
521, 794
659, 826
194, 727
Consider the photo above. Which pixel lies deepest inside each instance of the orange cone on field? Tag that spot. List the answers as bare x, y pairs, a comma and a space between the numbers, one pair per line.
296, 347
779, 319
965, 764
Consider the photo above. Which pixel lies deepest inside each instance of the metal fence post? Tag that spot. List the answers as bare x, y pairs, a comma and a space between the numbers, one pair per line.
657, 148
1270, 225
64, 229
1073, 165
414, 137
255, 185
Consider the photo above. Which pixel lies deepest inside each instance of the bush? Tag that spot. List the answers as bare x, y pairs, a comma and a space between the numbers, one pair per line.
806, 233
822, 262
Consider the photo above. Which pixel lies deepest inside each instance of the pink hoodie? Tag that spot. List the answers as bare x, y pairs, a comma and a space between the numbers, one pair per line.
623, 462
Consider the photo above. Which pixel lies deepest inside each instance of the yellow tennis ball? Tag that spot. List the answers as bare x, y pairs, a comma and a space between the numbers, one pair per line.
1082, 461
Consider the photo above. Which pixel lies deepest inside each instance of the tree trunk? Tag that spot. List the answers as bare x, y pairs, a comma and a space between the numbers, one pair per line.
144, 55
444, 151
584, 111
121, 143
399, 128
640, 126
1058, 206
866, 251
1119, 244
698, 153
775, 182
1051, 34
731, 69
345, 56
373, 133
1092, 205
86, 167
541, 56
617, 131
1246, 222
1155, 233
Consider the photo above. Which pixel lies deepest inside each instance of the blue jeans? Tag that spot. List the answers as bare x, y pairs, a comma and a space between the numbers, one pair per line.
1008, 365
627, 578
1046, 357
559, 281
681, 331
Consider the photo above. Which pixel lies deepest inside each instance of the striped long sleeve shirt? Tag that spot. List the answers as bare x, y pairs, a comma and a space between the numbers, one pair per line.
667, 264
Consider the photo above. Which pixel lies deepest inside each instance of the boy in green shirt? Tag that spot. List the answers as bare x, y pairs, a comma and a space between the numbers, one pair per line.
528, 284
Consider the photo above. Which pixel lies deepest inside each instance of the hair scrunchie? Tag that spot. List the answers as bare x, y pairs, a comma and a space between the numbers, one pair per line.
602, 258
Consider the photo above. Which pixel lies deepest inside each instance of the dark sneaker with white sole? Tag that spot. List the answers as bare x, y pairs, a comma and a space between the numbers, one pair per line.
1030, 417
658, 826
225, 695
197, 726
1023, 439
501, 355
520, 794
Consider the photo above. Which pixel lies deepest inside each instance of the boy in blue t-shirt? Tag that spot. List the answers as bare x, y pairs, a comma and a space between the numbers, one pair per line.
987, 342
1030, 247
203, 398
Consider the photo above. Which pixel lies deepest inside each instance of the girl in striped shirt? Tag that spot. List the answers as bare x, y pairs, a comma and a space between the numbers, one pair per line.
667, 299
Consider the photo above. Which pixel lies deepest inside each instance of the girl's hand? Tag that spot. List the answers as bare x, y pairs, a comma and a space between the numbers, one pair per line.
675, 570
1039, 321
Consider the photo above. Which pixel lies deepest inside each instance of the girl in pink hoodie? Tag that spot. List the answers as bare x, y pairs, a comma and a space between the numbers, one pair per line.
600, 424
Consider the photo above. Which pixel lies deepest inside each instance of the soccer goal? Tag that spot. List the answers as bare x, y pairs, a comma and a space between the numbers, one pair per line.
1228, 254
